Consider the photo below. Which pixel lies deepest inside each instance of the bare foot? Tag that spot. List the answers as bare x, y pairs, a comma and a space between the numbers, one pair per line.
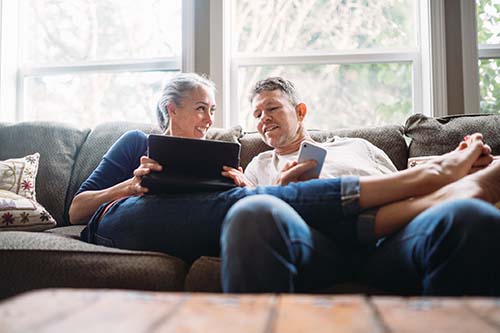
484, 159
450, 167
484, 185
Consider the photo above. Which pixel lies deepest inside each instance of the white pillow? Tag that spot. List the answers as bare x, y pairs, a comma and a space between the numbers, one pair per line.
18, 175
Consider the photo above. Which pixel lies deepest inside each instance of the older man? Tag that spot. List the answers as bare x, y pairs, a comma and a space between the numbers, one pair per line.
280, 121
431, 243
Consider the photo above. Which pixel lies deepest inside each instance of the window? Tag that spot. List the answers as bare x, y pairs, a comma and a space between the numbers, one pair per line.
488, 36
354, 63
90, 61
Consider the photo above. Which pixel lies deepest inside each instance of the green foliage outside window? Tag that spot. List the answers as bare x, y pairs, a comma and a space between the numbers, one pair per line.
488, 32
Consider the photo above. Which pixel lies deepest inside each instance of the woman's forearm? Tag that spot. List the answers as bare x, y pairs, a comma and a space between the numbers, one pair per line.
86, 203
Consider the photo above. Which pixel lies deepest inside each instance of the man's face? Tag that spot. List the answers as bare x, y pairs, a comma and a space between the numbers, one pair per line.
277, 119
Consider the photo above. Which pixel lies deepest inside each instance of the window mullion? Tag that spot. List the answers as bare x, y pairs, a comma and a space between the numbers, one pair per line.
9, 59
188, 33
220, 60
487, 51
470, 56
332, 58
161, 64
433, 55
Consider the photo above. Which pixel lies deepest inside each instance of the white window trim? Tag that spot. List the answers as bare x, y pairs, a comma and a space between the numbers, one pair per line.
470, 57
434, 98
188, 36
12, 75
220, 55
8, 59
429, 60
488, 51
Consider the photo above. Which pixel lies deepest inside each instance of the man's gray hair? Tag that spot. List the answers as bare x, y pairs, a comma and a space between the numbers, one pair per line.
276, 83
175, 90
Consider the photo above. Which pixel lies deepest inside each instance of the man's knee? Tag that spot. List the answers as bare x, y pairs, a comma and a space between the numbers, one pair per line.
253, 220
249, 217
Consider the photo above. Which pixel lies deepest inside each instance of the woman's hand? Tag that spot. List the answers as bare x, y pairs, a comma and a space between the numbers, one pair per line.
237, 176
294, 172
147, 165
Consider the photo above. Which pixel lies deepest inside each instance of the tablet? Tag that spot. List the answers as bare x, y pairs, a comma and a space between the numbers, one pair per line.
190, 165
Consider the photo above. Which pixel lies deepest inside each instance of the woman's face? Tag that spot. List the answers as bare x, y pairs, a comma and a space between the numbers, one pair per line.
195, 115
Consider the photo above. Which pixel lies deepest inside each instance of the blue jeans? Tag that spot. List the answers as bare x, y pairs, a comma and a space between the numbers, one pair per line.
450, 249
188, 226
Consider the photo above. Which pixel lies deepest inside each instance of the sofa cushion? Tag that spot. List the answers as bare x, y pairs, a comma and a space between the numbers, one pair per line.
436, 136
55, 259
204, 275
104, 135
57, 144
388, 138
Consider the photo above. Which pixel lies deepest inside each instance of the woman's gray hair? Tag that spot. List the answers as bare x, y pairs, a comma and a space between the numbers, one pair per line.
175, 90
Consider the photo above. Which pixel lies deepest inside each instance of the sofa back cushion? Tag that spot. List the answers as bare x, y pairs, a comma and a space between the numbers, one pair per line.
388, 138
103, 136
436, 136
58, 145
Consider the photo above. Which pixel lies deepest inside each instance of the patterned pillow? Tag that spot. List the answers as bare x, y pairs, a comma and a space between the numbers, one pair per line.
22, 214
18, 175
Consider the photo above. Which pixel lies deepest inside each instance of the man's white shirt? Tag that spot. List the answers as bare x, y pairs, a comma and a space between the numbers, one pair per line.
345, 156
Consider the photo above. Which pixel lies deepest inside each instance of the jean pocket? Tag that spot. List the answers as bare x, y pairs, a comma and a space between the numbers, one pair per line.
99, 240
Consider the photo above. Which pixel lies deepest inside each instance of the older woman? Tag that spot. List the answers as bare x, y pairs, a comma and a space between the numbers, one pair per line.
186, 109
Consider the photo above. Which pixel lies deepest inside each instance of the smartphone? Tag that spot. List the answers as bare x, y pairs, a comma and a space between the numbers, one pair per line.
311, 151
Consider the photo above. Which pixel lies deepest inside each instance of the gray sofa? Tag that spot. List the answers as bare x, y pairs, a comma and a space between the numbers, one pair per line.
57, 258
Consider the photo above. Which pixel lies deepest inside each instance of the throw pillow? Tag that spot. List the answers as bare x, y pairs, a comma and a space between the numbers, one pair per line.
18, 213
232, 134
435, 136
18, 175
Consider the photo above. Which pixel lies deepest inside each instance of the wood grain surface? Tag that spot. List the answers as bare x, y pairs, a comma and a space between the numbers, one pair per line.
80, 310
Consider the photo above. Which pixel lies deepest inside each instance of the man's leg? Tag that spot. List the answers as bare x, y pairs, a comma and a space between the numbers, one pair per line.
450, 249
267, 247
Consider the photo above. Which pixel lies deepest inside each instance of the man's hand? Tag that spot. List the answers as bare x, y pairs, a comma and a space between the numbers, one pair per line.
237, 176
147, 165
294, 172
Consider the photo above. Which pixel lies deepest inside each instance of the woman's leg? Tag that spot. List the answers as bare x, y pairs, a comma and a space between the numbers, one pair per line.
483, 184
188, 226
377, 191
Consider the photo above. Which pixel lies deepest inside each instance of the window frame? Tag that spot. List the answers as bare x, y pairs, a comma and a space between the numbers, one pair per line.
13, 74
428, 60
473, 52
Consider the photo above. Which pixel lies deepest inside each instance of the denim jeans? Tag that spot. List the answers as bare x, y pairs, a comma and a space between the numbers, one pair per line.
188, 226
267, 247
450, 249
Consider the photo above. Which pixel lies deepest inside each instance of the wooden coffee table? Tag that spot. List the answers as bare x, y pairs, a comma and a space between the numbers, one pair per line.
80, 310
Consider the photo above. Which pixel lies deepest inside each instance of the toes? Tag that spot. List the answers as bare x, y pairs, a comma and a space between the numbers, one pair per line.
475, 137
